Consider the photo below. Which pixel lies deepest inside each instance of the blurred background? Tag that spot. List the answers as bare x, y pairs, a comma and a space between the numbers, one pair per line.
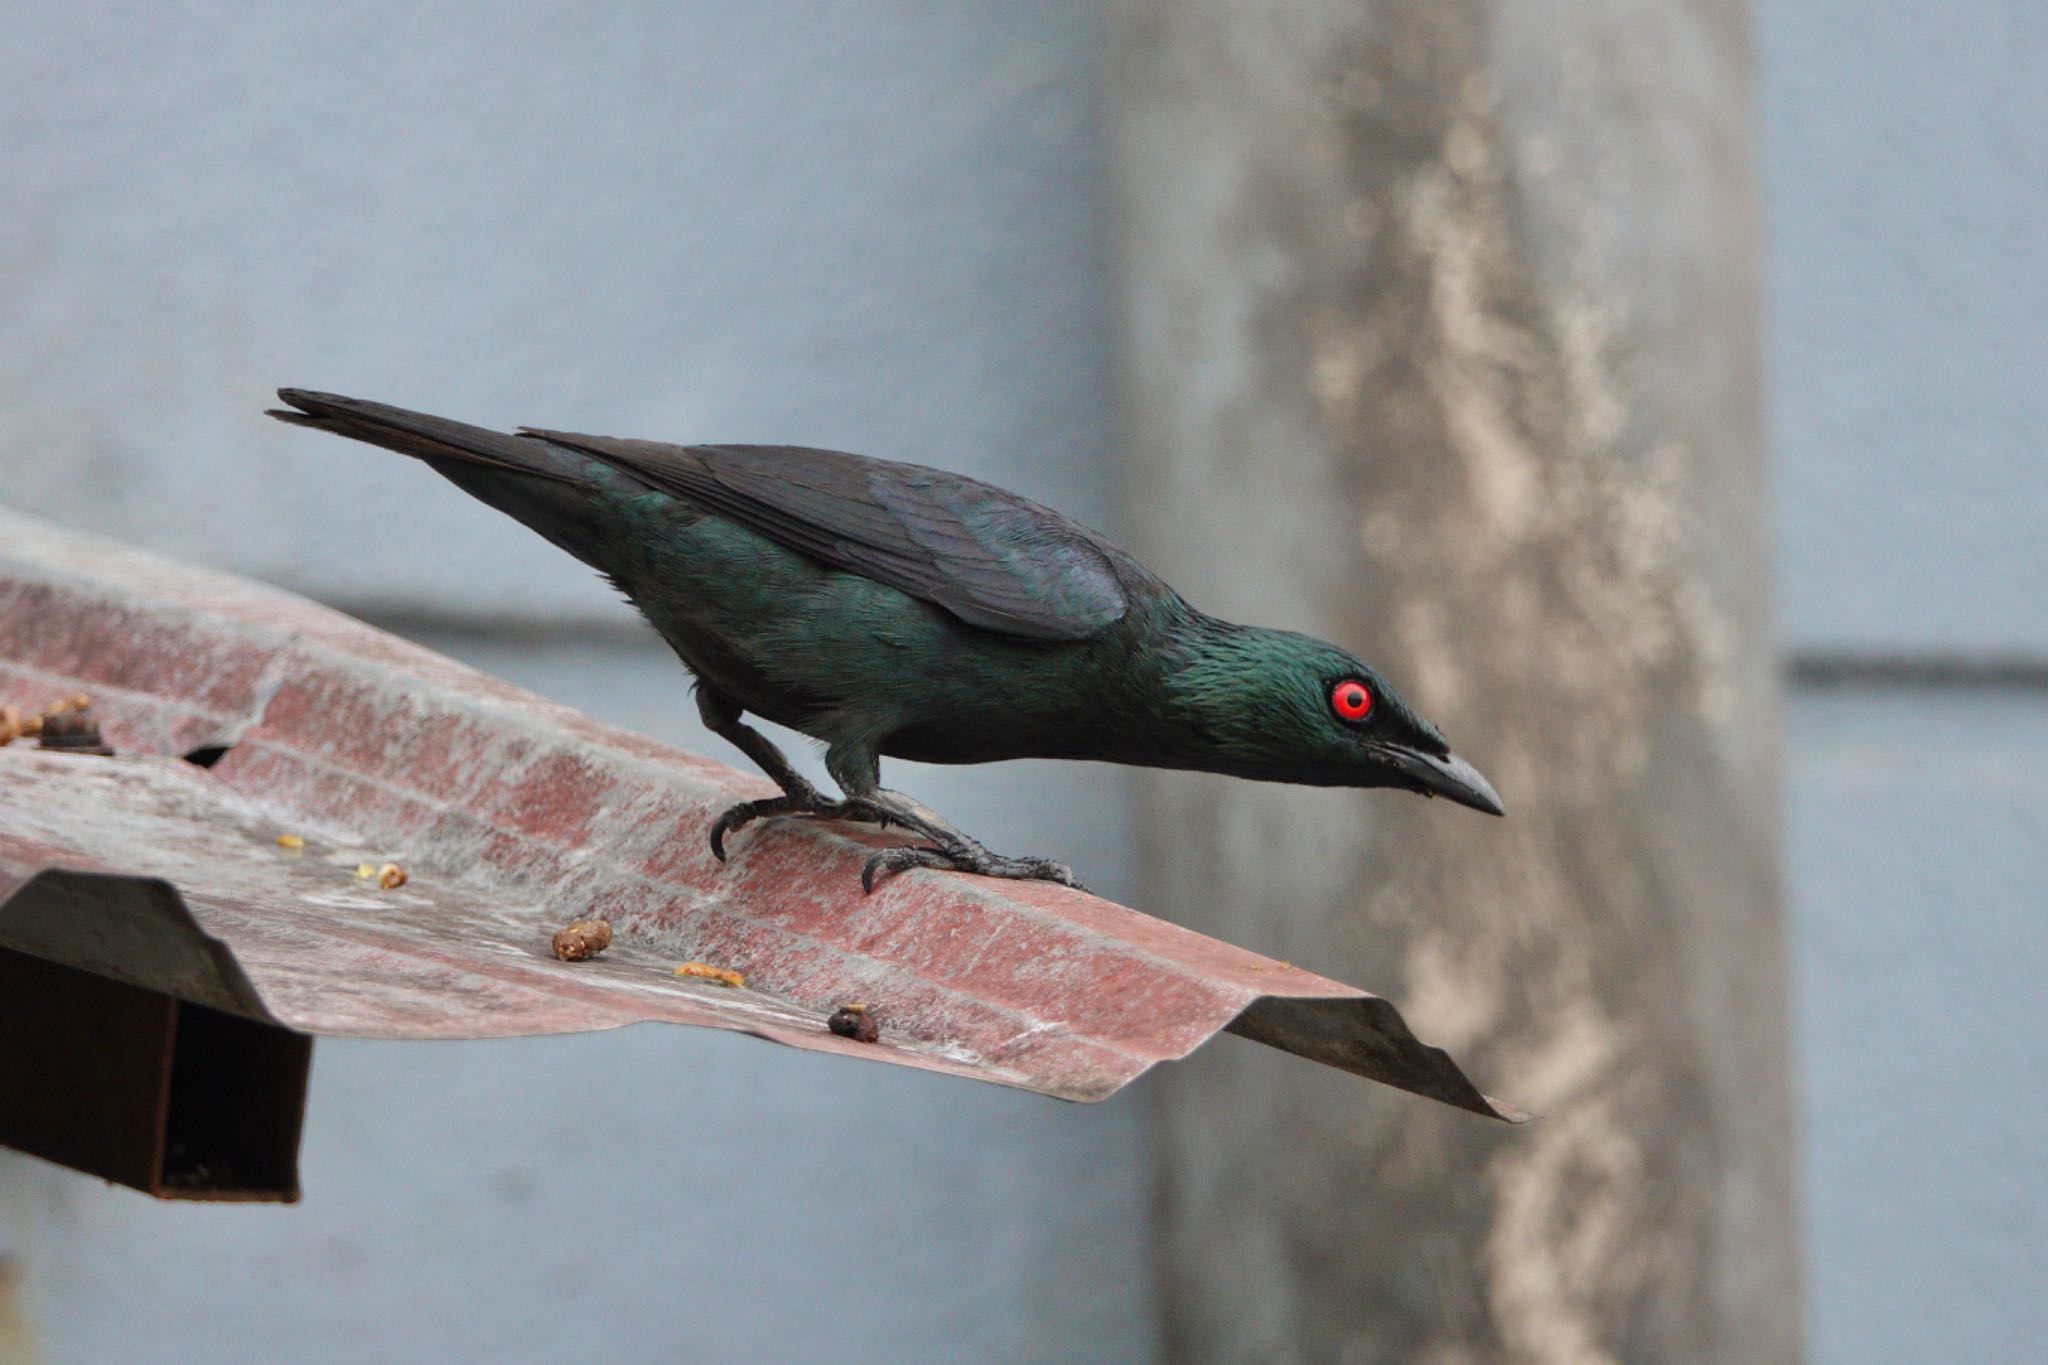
1657, 391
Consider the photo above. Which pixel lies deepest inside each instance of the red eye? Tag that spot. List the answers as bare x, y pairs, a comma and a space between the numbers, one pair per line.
1351, 700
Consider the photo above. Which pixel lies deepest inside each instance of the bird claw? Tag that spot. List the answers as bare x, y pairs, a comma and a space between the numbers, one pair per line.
737, 818
966, 856
969, 859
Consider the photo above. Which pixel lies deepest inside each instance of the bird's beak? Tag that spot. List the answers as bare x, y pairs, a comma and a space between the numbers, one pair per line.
1444, 775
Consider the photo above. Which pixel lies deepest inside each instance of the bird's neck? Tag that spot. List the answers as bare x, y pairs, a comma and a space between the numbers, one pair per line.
1214, 676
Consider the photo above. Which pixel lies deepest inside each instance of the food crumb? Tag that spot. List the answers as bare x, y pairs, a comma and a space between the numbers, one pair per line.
294, 842
14, 725
65, 726
723, 976
582, 939
364, 872
391, 876
853, 1021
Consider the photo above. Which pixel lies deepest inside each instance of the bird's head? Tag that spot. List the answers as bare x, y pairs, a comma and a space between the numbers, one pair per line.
1282, 707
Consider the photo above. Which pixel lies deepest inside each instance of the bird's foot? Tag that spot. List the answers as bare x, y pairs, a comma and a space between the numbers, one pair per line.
948, 849
805, 800
967, 857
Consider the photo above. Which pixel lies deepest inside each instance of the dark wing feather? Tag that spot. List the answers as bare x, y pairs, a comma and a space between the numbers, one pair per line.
989, 557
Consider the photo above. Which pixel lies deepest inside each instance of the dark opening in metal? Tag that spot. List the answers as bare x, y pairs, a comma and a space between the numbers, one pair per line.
238, 1092
164, 1096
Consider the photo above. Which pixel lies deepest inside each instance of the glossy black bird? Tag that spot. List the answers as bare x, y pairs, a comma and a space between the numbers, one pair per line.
890, 609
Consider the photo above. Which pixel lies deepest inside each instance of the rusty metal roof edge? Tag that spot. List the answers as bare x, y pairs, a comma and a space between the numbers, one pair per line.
1365, 1035
139, 930
1324, 1020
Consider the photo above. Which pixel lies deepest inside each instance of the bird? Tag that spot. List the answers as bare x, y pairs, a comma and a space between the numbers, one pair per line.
894, 610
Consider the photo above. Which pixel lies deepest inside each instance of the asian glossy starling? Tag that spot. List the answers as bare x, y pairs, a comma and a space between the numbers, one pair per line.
890, 609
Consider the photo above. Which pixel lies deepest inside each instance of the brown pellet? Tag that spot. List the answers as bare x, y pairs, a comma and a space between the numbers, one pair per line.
854, 1021
583, 939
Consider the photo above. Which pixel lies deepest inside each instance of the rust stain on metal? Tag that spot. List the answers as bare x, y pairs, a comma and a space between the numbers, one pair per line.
515, 815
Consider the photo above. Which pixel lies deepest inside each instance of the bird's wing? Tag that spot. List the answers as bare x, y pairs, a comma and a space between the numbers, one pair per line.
989, 557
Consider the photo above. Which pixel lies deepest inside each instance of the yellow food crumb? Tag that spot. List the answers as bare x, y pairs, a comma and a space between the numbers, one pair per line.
705, 971
291, 841
391, 876
364, 872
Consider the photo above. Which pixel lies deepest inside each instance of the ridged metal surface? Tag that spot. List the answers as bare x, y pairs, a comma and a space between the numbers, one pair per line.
513, 816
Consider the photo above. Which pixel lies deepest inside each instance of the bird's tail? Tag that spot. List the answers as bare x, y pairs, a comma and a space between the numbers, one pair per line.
427, 437
545, 485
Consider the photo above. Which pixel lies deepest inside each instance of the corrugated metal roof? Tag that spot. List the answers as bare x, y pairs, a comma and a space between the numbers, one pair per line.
512, 817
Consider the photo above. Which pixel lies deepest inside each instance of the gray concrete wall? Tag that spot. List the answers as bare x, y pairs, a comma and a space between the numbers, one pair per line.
1466, 301
1906, 165
1906, 176
873, 227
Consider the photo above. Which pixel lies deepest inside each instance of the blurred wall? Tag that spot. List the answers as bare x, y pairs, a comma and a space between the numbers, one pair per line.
1905, 160
872, 227
1442, 317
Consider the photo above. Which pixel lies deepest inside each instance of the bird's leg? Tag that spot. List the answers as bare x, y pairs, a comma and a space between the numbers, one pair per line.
722, 717
858, 773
